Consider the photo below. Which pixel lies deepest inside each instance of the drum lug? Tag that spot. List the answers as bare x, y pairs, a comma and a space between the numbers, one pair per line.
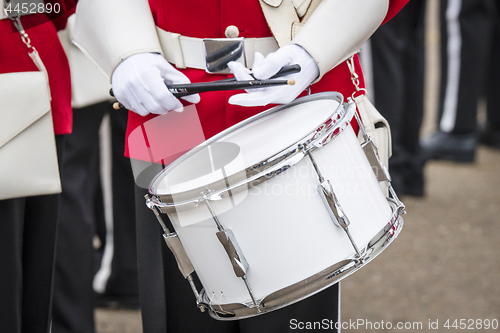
325, 190
332, 204
371, 153
378, 167
335, 211
174, 244
240, 265
233, 250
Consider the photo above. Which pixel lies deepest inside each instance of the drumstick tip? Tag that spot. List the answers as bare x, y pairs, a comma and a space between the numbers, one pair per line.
117, 106
291, 82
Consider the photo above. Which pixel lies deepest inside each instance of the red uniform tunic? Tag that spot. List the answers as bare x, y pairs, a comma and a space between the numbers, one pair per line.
209, 19
43, 35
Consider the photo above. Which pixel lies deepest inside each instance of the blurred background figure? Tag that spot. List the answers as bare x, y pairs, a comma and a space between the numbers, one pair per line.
490, 133
96, 247
28, 224
469, 63
394, 62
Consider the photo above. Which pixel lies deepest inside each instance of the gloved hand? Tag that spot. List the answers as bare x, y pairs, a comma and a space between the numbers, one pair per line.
263, 68
139, 84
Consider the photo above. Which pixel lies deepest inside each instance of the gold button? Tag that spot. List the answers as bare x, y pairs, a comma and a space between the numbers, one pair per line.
232, 31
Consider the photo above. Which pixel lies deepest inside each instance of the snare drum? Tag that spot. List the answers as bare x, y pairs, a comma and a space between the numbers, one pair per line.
276, 208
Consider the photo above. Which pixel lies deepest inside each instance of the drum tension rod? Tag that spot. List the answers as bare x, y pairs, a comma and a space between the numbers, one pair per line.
325, 191
371, 153
212, 212
175, 246
233, 250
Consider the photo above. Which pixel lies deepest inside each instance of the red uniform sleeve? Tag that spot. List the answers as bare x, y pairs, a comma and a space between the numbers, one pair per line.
394, 7
59, 18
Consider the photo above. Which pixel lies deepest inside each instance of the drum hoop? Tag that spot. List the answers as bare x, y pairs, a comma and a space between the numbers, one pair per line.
264, 170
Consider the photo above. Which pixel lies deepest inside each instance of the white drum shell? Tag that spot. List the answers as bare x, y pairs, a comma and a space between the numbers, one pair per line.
283, 227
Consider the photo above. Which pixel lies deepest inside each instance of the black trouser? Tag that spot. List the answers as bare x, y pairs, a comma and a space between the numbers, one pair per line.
28, 228
81, 212
122, 282
73, 309
493, 74
398, 76
168, 304
466, 45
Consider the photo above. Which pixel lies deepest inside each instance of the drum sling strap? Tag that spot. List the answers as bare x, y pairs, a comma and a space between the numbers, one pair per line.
286, 17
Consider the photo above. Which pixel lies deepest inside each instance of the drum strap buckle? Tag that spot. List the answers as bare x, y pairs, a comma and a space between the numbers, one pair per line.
220, 51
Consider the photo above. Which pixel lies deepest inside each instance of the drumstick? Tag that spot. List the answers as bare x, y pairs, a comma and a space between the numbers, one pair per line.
285, 70
180, 90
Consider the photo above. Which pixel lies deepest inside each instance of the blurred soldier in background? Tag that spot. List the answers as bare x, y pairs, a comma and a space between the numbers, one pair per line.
397, 65
28, 225
469, 59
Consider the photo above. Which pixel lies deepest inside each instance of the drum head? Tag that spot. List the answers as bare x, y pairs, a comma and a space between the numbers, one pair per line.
226, 158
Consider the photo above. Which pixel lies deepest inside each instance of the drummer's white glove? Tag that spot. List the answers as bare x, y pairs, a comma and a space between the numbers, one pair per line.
264, 68
139, 84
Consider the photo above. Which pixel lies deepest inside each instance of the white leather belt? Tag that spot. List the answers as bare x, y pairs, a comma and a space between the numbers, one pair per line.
189, 52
